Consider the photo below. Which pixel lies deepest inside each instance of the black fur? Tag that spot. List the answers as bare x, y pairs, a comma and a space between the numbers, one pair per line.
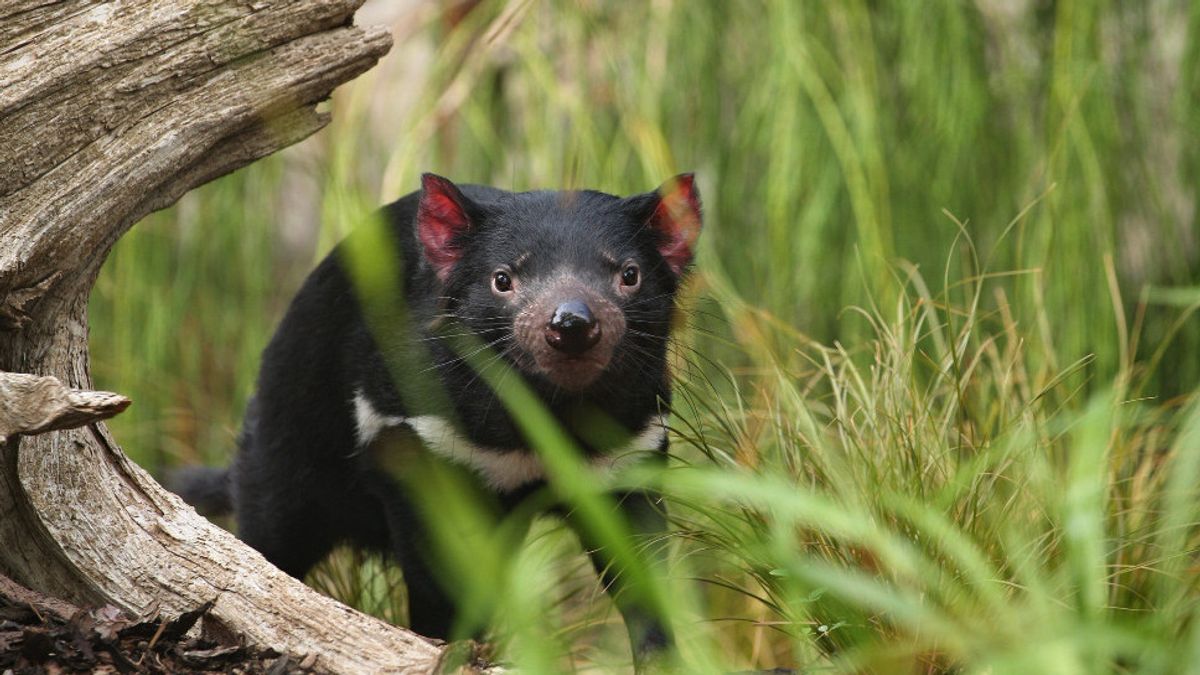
204, 487
300, 484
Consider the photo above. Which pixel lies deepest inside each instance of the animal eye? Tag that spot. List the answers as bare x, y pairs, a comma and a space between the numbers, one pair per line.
629, 276
501, 281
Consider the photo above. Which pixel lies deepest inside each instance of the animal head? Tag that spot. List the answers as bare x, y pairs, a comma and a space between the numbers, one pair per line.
563, 284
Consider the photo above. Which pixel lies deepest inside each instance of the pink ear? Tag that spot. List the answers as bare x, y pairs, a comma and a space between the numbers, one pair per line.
677, 219
441, 220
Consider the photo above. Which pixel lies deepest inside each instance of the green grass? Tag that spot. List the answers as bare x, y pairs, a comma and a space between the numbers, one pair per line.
936, 363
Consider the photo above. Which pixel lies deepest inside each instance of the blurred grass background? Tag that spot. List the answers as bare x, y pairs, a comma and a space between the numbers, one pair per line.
940, 345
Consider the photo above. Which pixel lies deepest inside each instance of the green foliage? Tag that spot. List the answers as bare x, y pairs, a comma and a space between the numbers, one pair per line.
936, 361
926, 503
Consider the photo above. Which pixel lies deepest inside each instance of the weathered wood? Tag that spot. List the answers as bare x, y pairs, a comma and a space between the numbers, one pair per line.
30, 405
110, 110
14, 307
39, 601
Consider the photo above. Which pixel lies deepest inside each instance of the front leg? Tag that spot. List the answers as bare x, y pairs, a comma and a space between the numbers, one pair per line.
649, 634
447, 531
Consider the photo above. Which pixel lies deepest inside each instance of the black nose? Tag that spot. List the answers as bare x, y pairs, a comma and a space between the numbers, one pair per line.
572, 329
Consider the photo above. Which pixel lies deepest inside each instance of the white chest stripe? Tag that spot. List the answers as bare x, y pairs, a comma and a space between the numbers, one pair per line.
502, 470
369, 422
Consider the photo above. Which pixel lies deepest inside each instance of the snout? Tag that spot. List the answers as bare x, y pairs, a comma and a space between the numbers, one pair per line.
568, 332
572, 329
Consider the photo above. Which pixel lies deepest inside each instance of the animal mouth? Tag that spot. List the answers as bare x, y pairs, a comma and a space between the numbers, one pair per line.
573, 373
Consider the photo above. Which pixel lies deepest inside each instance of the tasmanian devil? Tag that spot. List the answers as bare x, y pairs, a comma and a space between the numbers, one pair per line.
572, 290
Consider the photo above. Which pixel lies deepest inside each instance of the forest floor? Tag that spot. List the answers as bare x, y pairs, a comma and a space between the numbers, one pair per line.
40, 634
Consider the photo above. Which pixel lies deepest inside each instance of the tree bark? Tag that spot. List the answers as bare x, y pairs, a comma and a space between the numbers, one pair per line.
108, 111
